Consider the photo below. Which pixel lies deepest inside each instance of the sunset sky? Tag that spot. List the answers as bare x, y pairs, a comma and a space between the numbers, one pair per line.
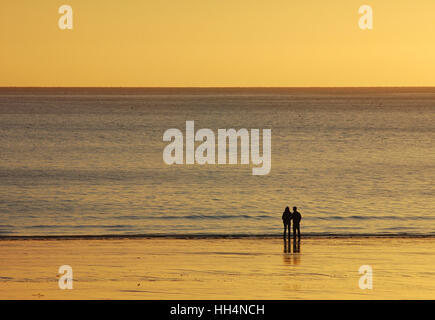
217, 43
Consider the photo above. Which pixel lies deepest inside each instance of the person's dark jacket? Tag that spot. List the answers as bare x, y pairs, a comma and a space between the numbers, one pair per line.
296, 217
286, 217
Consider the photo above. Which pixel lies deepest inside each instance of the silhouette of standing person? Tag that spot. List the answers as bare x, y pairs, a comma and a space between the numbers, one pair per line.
296, 217
286, 220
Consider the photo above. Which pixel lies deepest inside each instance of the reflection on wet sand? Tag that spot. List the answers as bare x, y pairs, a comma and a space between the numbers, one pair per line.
292, 256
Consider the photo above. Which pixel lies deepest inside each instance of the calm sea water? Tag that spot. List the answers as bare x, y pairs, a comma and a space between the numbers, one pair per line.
89, 162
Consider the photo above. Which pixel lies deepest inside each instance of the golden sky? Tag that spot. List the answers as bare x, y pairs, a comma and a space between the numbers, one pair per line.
217, 43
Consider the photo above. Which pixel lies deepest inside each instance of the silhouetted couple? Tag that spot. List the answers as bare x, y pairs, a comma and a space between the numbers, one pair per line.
287, 218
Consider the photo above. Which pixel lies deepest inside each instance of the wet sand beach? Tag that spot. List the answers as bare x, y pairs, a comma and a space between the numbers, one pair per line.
213, 268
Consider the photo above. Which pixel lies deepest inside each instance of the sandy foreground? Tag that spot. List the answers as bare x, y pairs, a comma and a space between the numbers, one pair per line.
247, 268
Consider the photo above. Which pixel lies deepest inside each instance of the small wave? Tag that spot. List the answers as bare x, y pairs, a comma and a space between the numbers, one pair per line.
80, 226
218, 236
214, 217
264, 216
365, 217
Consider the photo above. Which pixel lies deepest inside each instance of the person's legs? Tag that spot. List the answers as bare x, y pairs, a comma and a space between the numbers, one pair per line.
288, 226
299, 232
294, 232
285, 229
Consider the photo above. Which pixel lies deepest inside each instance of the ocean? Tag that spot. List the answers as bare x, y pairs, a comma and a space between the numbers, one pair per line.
88, 162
